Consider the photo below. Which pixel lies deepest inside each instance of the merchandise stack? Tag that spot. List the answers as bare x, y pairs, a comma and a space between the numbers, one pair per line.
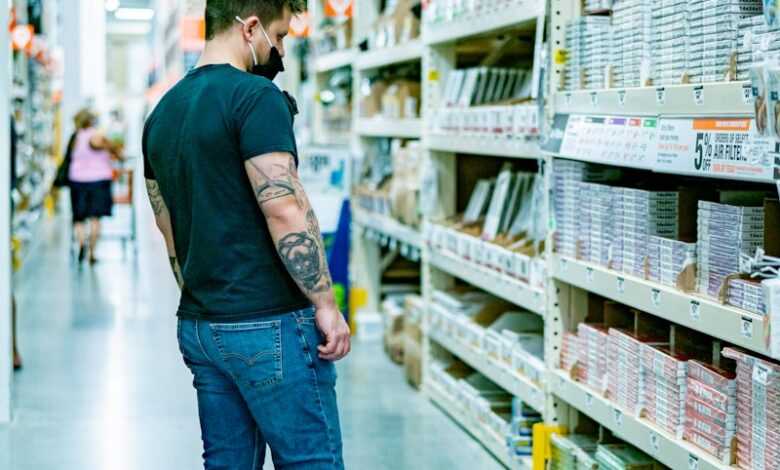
724, 233
713, 32
756, 39
593, 359
710, 409
630, 41
570, 351
663, 384
595, 223
520, 437
597, 6
587, 43
758, 417
624, 374
638, 215
623, 456
668, 258
669, 41
573, 452
746, 294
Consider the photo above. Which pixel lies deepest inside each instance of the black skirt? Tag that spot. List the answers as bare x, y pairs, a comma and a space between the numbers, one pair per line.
90, 200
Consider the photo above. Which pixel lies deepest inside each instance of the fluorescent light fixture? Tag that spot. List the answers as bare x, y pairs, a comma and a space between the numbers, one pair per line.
134, 14
112, 5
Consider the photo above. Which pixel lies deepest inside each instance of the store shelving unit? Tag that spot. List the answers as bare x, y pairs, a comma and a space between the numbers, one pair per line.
493, 443
487, 147
375, 59
464, 27
383, 127
387, 227
334, 60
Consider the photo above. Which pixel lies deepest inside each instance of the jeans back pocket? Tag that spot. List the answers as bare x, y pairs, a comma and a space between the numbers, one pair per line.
252, 352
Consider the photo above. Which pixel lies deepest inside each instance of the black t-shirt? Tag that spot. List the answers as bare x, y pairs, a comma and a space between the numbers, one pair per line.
195, 144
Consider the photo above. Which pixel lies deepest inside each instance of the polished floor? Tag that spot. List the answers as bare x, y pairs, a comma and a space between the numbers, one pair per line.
104, 387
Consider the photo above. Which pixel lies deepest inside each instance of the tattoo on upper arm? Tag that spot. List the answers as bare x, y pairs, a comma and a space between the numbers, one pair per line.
155, 197
276, 182
300, 253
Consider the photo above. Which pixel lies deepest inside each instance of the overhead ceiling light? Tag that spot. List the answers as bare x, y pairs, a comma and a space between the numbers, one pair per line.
112, 5
134, 14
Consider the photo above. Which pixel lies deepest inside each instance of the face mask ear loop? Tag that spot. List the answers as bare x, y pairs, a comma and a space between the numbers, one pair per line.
251, 47
270, 44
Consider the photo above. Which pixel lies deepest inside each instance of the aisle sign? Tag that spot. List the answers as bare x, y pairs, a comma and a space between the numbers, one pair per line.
616, 140
727, 147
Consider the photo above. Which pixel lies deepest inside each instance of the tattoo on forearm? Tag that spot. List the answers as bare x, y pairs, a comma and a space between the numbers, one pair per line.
176, 271
155, 197
300, 253
282, 183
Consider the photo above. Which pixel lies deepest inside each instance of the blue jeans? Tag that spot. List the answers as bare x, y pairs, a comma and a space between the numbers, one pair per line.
262, 382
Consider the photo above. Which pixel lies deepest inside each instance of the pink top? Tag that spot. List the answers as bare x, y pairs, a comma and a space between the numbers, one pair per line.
89, 165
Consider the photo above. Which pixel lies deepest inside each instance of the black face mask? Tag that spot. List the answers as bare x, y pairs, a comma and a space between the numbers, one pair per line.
274, 65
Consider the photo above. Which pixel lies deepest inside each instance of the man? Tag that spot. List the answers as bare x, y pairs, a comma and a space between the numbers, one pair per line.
245, 247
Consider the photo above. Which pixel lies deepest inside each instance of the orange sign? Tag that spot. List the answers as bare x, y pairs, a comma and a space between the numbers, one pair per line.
339, 8
193, 33
300, 25
734, 125
22, 36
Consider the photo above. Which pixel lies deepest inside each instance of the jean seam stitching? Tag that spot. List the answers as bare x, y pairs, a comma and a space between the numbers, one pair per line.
316, 380
200, 343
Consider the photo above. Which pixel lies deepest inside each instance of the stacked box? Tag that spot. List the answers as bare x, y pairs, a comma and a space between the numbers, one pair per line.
596, 6
572, 452
623, 374
667, 258
623, 456
570, 350
713, 32
758, 411
595, 223
663, 386
630, 41
710, 409
519, 439
593, 339
747, 295
638, 215
724, 233
754, 42
587, 43
669, 41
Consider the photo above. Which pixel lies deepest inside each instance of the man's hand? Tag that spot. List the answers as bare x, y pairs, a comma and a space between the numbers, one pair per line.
336, 331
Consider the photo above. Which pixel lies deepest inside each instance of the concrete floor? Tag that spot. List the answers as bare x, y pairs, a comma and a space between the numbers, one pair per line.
104, 386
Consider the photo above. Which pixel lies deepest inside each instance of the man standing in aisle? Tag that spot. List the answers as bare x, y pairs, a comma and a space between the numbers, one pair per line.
245, 247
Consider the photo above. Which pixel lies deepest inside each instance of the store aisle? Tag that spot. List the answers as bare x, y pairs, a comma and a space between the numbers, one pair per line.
104, 387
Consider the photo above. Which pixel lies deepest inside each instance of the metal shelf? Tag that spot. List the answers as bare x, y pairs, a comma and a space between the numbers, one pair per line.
384, 127
509, 289
493, 443
387, 226
482, 146
739, 327
476, 25
517, 385
334, 60
707, 99
659, 444
408, 52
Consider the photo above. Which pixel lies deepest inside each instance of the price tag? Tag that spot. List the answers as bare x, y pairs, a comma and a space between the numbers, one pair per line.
695, 310
660, 95
698, 95
561, 382
564, 265
655, 442
618, 415
594, 98
621, 94
655, 297
621, 285
567, 98
746, 327
589, 274
693, 462
589, 399
747, 93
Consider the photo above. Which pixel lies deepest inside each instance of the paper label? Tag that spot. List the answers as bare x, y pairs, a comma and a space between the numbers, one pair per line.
618, 415
589, 275
727, 148
588, 399
621, 94
564, 265
615, 140
660, 95
746, 328
698, 95
594, 98
655, 442
655, 297
693, 462
621, 285
747, 94
695, 310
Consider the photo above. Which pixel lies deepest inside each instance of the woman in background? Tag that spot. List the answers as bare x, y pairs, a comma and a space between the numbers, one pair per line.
90, 178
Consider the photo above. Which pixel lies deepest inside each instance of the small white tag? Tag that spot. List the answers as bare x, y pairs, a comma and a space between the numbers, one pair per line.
660, 95
698, 95
618, 417
621, 94
655, 297
621, 285
567, 98
564, 265
589, 399
695, 309
594, 98
747, 93
746, 327
589, 274
693, 462
655, 442
760, 373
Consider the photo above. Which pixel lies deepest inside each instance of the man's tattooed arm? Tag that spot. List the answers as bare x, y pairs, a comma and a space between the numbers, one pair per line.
163, 219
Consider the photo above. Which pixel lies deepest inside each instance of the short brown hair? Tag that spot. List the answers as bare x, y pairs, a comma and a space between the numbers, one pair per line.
221, 14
